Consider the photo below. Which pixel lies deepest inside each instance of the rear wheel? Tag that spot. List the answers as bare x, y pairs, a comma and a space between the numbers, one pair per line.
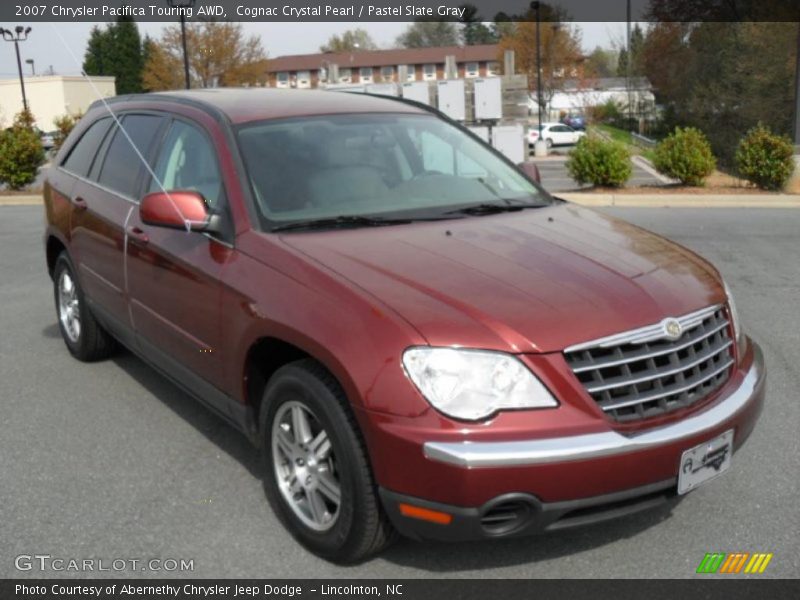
318, 477
84, 336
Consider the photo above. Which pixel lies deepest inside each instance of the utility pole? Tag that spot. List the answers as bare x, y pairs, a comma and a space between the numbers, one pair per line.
182, 5
20, 34
537, 7
628, 67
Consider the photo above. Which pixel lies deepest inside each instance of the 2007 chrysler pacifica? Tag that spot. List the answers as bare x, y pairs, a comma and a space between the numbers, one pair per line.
417, 337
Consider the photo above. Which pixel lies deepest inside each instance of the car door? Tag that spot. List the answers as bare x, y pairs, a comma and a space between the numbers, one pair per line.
174, 275
102, 199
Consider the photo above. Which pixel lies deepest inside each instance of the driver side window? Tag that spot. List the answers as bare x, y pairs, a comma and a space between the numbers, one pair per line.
188, 162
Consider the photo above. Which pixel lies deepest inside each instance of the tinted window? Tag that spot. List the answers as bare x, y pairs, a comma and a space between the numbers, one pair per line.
188, 162
82, 154
122, 165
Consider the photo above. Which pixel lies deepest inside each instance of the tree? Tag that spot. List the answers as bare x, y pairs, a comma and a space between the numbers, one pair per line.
350, 41
219, 55
636, 51
425, 34
116, 51
746, 70
473, 30
561, 54
21, 152
601, 62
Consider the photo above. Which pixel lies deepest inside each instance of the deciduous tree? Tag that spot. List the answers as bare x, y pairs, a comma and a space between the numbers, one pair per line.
219, 55
425, 34
350, 41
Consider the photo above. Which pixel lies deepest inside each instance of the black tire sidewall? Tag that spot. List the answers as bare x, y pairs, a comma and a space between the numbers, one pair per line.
296, 383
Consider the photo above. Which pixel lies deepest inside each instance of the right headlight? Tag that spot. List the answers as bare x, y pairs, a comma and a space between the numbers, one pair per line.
474, 384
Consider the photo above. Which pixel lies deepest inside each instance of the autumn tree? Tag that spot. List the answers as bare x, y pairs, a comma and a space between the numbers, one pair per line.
116, 51
426, 34
219, 55
349, 41
561, 54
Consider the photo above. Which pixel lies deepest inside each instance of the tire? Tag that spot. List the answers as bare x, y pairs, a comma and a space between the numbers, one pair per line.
355, 528
85, 338
549, 143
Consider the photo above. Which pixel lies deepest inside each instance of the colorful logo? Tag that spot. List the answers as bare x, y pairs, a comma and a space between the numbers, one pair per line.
736, 562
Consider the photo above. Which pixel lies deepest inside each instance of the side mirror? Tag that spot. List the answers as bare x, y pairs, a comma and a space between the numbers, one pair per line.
531, 170
178, 210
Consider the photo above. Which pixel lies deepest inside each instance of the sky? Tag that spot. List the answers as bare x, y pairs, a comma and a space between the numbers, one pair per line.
46, 48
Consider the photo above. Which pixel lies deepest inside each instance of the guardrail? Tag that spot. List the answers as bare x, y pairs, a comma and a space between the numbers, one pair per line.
642, 140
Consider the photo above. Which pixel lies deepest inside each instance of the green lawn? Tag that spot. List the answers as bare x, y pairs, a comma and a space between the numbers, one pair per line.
625, 137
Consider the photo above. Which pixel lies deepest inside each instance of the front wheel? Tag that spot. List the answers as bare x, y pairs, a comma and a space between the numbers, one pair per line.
549, 143
318, 477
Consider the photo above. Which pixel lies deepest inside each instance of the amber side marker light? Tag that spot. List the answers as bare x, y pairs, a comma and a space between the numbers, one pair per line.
425, 514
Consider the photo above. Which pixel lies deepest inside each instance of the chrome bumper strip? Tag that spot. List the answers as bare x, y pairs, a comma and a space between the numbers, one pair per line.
579, 447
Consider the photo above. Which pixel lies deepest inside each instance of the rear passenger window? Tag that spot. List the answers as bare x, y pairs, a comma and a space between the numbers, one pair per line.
122, 165
80, 158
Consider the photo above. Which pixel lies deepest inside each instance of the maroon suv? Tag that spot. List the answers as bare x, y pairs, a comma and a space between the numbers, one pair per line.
416, 335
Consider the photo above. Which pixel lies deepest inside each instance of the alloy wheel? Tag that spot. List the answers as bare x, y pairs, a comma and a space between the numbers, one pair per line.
305, 466
69, 306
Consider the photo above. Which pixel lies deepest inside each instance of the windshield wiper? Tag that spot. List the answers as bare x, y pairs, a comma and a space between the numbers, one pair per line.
340, 221
491, 209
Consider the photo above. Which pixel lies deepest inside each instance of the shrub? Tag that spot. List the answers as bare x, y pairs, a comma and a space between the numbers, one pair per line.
685, 155
764, 158
599, 162
64, 126
21, 152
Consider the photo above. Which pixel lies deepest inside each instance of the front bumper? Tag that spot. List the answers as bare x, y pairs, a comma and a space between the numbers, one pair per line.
503, 488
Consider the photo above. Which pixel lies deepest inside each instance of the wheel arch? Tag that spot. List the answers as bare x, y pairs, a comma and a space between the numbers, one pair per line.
53, 248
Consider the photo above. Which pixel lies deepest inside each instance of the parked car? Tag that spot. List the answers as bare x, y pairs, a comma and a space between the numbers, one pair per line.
417, 337
555, 134
577, 122
48, 139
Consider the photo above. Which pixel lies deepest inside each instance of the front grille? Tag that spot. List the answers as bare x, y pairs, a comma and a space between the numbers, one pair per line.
641, 374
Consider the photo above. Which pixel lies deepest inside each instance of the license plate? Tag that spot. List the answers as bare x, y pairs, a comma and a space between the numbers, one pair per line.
705, 462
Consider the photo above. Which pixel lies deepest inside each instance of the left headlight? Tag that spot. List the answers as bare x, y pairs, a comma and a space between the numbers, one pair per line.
474, 384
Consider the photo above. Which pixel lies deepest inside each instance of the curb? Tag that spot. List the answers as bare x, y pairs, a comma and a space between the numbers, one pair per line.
21, 200
684, 200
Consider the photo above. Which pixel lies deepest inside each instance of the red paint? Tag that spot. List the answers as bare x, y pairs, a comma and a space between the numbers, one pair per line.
529, 283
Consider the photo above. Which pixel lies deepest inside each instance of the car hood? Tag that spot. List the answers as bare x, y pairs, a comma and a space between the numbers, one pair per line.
538, 280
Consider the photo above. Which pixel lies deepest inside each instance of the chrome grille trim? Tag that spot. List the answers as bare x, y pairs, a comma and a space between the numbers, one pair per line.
644, 373
648, 333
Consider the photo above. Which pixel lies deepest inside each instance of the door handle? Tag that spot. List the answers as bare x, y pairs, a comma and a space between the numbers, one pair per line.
79, 203
137, 234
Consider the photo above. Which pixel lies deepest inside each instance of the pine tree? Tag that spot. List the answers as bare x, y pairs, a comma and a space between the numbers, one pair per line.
117, 51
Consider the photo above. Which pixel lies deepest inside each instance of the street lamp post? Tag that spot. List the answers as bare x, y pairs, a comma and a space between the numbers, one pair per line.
20, 34
537, 7
183, 5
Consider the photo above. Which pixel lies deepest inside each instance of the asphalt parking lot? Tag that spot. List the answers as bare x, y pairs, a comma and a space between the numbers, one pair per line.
109, 460
555, 177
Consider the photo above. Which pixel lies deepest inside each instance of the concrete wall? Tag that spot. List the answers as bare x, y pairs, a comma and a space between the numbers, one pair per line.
50, 97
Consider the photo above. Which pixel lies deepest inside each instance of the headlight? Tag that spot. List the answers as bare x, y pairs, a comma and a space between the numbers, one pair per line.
474, 384
737, 331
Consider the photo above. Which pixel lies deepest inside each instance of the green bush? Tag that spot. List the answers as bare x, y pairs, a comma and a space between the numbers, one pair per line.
685, 155
599, 162
21, 153
64, 126
764, 158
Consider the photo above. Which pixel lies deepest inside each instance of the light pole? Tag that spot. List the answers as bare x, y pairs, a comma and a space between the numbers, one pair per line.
20, 34
537, 7
33, 67
182, 5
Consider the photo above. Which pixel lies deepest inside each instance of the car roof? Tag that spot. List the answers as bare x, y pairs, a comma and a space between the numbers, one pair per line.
242, 105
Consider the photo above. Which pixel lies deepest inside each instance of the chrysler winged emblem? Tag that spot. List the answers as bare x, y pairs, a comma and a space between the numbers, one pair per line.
672, 328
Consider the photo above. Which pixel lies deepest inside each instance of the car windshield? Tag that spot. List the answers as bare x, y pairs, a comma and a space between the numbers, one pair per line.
384, 166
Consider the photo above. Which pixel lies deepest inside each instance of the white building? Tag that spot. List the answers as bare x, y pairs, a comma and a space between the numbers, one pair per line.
576, 96
51, 96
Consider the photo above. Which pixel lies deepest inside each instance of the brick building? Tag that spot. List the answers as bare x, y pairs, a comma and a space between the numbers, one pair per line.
382, 66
